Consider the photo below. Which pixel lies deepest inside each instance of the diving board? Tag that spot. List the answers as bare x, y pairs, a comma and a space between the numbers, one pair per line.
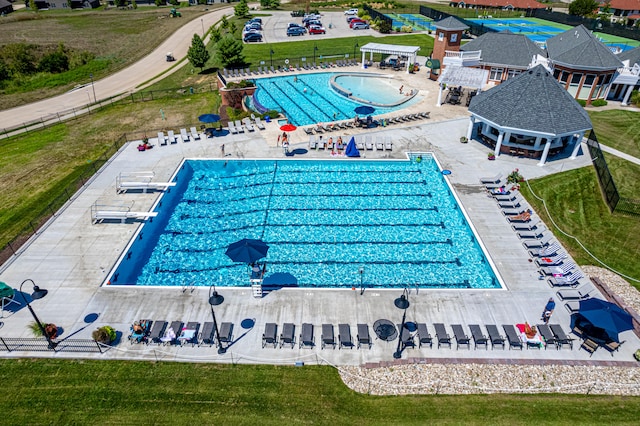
139, 181
100, 213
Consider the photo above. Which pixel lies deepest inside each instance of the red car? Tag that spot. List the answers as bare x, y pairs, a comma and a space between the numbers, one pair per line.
316, 29
355, 21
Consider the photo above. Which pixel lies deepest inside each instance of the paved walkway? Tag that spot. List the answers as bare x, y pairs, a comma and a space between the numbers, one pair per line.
72, 258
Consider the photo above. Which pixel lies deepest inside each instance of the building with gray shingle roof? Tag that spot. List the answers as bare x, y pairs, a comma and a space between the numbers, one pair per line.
628, 77
450, 24
504, 54
529, 115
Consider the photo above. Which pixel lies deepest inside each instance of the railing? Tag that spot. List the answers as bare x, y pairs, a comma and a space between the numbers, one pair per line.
35, 344
475, 54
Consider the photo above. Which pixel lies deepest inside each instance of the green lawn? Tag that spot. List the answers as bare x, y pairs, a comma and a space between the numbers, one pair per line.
619, 129
48, 391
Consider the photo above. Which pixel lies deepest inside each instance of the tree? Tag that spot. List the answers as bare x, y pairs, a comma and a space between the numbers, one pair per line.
230, 51
242, 9
198, 54
583, 7
270, 4
5, 74
216, 35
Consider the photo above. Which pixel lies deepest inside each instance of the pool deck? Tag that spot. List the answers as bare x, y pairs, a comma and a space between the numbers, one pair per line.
72, 257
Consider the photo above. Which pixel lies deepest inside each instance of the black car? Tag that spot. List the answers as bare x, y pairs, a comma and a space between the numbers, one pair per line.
250, 37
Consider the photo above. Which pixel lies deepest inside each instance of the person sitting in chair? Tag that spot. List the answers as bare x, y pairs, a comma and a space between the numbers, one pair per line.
137, 328
169, 336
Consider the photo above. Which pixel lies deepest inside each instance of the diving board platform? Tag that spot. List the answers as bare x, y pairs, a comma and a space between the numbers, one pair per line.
141, 181
101, 212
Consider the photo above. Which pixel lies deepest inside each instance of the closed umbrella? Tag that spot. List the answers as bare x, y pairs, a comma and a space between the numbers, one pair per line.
247, 250
606, 316
288, 128
364, 110
352, 150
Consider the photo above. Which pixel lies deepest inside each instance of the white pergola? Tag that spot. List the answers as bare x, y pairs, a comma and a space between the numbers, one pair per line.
390, 49
462, 76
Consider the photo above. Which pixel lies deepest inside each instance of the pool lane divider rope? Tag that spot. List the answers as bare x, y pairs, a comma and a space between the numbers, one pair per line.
294, 103
329, 104
266, 213
327, 117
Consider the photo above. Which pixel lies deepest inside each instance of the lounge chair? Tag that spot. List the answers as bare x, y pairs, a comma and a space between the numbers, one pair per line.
172, 137
184, 135
344, 336
424, 338
247, 124
157, 331
561, 337
572, 306
359, 143
207, 335
379, 143
571, 280
313, 143
495, 336
189, 334
318, 129
512, 336
238, 126
367, 143
514, 211
287, 337
536, 233
542, 242
461, 338
405, 337
574, 294
589, 346
523, 217
528, 226
194, 134
139, 331
563, 269
494, 179
306, 336
510, 204
162, 140
442, 335
232, 128
170, 338
506, 197
550, 250
612, 346
363, 335
549, 337
388, 145
269, 337
551, 260
478, 336
259, 123
308, 130
226, 334
327, 337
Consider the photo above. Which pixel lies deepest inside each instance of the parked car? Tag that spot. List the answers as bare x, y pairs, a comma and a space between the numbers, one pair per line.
258, 20
253, 26
294, 24
311, 17
296, 31
356, 21
360, 26
316, 29
351, 18
351, 12
251, 37
312, 22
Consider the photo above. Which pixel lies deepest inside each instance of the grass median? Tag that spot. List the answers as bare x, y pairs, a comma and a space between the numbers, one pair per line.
45, 391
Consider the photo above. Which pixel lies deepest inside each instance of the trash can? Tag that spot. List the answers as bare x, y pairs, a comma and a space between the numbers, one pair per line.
267, 119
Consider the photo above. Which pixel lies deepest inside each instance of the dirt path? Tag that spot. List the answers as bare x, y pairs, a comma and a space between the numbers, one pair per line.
124, 81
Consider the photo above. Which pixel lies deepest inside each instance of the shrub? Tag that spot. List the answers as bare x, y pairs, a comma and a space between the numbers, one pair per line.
599, 103
582, 102
104, 334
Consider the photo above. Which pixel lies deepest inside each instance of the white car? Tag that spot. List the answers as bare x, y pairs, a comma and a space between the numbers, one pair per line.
351, 12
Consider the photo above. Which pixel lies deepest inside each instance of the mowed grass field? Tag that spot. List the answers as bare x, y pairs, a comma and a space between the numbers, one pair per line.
46, 391
114, 36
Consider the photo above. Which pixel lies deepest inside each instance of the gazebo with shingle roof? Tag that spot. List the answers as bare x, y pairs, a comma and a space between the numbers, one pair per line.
529, 115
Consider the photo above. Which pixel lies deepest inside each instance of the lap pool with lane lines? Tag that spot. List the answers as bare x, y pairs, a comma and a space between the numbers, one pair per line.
323, 220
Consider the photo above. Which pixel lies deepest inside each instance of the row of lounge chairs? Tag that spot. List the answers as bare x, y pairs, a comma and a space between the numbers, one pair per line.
172, 138
362, 142
177, 333
341, 125
307, 336
239, 126
262, 70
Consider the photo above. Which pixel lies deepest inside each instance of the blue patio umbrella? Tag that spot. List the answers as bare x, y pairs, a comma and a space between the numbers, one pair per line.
606, 316
247, 250
209, 118
364, 110
352, 150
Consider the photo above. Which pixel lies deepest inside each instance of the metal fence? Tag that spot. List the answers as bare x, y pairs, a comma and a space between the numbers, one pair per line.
35, 344
603, 26
438, 15
607, 185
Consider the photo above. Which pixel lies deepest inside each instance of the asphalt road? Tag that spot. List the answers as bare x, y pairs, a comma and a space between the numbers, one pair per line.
155, 66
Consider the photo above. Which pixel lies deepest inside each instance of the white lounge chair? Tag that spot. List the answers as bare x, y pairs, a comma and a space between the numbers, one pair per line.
387, 143
232, 128
162, 140
194, 134
563, 269
238, 126
379, 143
367, 143
535, 233
259, 123
542, 242
313, 144
184, 135
247, 124
571, 280
495, 179
172, 137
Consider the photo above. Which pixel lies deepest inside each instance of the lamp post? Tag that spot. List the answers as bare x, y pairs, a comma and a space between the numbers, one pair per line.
361, 272
38, 293
401, 302
202, 22
271, 52
94, 88
216, 299
315, 49
355, 47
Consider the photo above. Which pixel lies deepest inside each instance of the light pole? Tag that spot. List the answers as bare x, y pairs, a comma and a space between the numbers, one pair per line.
315, 49
361, 272
401, 302
94, 88
355, 47
271, 52
202, 22
38, 293
216, 299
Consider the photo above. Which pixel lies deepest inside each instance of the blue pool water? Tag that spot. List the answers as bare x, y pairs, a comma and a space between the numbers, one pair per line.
310, 99
323, 221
